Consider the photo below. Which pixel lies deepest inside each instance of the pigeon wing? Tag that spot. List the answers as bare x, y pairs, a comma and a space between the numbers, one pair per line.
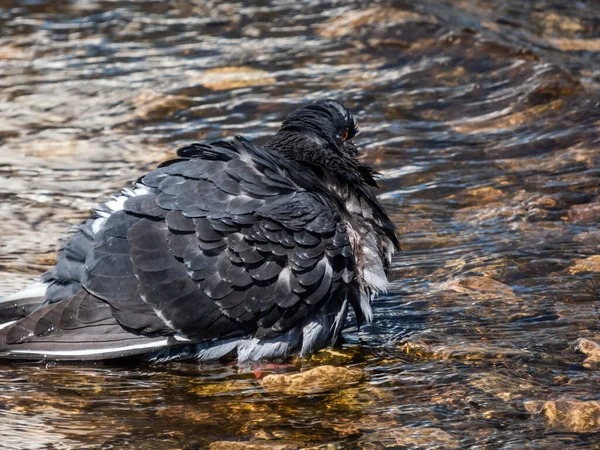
219, 243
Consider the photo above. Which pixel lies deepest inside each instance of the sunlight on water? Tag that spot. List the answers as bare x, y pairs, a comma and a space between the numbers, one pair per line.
482, 118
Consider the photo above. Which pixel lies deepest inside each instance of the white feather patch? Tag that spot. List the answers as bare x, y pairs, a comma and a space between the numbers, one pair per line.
98, 224
6, 324
116, 203
46, 353
36, 289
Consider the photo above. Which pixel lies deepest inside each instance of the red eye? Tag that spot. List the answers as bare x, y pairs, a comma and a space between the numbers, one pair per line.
345, 134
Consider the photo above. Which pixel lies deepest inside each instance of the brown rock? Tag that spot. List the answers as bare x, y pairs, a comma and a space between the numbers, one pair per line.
11, 52
589, 348
591, 264
348, 425
410, 437
358, 398
461, 351
330, 356
502, 386
591, 239
545, 202
254, 445
185, 413
58, 149
46, 259
479, 198
568, 44
211, 389
151, 105
552, 21
481, 286
584, 213
319, 379
224, 78
352, 21
571, 415
485, 194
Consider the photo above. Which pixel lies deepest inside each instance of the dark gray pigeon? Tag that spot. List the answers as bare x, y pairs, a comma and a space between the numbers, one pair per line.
229, 250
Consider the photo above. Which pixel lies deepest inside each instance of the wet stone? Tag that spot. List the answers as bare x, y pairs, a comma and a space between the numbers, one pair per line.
212, 389
584, 213
481, 287
336, 357
502, 386
12, 52
482, 195
589, 348
256, 445
353, 21
430, 438
358, 398
571, 415
346, 425
482, 119
151, 105
591, 264
185, 413
589, 239
468, 352
319, 379
576, 45
550, 21
225, 78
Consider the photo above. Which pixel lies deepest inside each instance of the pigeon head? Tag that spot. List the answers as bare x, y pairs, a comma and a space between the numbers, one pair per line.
329, 123
320, 134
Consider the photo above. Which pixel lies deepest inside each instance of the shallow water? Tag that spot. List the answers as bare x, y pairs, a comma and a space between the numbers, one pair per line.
482, 117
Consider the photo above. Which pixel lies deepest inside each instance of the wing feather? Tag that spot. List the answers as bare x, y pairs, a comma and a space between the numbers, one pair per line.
222, 242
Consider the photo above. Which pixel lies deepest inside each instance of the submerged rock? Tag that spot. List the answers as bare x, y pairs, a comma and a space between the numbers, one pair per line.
319, 379
153, 105
572, 415
481, 288
330, 356
358, 398
348, 425
429, 438
589, 348
591, 264
212, 389
461, 351
254, 445
576, 45
479, 196
354, 21
224, 78
589, 212
504, 387
186, 414
13, 52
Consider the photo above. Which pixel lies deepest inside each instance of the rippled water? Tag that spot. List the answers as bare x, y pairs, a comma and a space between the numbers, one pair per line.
483, 118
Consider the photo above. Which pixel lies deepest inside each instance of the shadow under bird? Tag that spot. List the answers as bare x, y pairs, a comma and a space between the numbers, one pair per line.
229, 250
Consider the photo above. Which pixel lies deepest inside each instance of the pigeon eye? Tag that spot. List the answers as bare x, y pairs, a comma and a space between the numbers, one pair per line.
345, 134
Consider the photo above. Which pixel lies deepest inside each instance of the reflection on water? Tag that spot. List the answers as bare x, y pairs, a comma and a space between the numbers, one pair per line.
481, 116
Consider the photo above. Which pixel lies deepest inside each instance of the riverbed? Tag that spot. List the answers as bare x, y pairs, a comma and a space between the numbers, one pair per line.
482, 118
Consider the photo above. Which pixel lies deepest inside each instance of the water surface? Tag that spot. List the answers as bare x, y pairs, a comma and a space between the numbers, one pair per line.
483, 119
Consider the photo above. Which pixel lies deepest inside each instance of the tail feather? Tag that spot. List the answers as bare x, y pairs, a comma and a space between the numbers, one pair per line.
79, 328
20, 304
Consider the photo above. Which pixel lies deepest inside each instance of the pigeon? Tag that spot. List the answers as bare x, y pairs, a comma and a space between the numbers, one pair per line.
231, 250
